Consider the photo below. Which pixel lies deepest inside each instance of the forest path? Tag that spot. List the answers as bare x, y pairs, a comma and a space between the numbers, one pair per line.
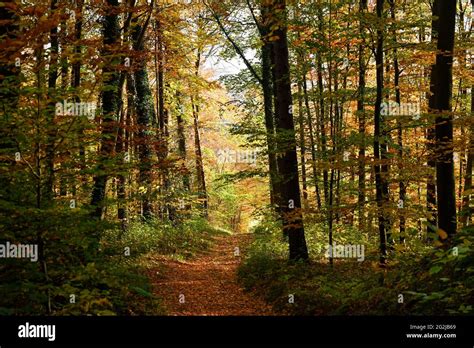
208, 282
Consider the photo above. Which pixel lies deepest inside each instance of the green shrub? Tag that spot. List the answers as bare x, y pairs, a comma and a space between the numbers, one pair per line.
432, 280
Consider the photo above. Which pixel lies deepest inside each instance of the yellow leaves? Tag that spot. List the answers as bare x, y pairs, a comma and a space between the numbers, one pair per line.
375, 265
102, 302
399, 247
273, 38
442, 234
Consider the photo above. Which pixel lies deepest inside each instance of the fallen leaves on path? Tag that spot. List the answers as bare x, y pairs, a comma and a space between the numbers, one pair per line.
207, 284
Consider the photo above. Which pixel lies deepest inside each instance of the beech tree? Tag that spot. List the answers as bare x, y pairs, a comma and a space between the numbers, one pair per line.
445, 183
285, 131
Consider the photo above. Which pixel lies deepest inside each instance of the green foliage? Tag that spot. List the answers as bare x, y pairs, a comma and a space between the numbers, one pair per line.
224, 202
162, 238
438, 282
441, 281
80, 282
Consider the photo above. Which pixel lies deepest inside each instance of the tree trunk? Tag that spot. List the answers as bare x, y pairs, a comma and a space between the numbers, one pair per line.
268, 106
361, 117
466, 202
380, 142
76, 74
48, 194
145, 117
302, 145
201, 179
430, 135
109, 106
312, 142
465, 213
182, 143
445, 184
322, 122
287, 162
64, 63
401, 182
164, 207
126, 140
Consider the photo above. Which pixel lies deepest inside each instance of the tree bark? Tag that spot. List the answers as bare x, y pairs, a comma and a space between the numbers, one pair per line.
182, 143
109, 106
361, 123
401, 182
445, 184
268, 105
466, 202
48, 194
430, 135
201, 179
302, 142
76, 73
145, 117
312, 142
287, 162
380, 142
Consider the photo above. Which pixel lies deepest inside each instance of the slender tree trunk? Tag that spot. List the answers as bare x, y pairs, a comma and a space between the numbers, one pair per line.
332, 73
322, 122
322, 113
267, 89
430, 136
109, 106
48, 194
120, 148
312, 142
182, 143
339, 136
39, 53
302, 145
380, 142
401, 182
164, 208
126, 149
287, 162
445, 187
465, 213
466, 202
145, 117
76, 74
64, 63
462, 158
361, 119
201, 179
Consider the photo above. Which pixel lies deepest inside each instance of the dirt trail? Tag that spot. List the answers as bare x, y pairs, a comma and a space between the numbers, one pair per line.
208, 282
